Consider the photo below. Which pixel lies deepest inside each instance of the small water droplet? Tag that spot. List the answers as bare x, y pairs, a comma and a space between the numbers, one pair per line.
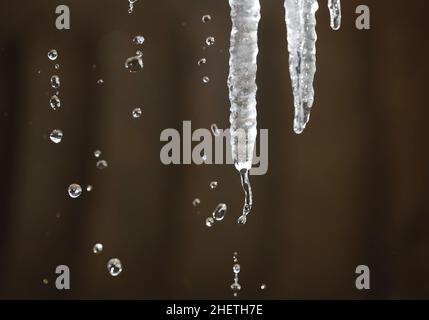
235, 294
219, 212
236, 268
102, 164
196, 202
139, 40
206, 18
134, 64
235, 286
55, 82
97, 153
210, 222
210, 41
137, 113
215, 130
45, 281
57, 66
55, 102
89, 188
201, 62
75, 190
213, 185
98, 248
100, 81
114, 266
206, 79
52, 54
56, 136
263, 286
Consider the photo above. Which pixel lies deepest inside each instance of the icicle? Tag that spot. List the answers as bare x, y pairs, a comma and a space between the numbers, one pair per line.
335, 11
245, 15
301, 33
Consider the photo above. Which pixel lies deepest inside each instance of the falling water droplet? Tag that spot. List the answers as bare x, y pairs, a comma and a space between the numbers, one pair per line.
56, 136
235, 287
75, 190
263, 286
102, 164
206, 18
55, 102
248, 200
98, 248
206, 79
213, 185
52, 54
97, 153
137, 113
210, 222
219, 212
139, 40
131, 6
89, 188
201, 61
55, 82
57, 66
196, 202
114, 266
134, 64
210, 41
215, 130
45, 281
236, 268
235, 294
100, 81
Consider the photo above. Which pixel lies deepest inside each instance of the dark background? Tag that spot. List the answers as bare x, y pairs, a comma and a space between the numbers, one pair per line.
351, 190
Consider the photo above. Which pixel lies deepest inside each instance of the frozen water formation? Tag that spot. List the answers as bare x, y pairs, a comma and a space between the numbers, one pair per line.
302, 37
245, 16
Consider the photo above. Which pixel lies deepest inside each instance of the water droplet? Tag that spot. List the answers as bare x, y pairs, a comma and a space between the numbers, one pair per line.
45, 281
235, 286
263, 286
52, 54
75, 190
56, 136
89, 188
201, 62
98, 248
213, 185
57, 66
100, 81
139, 40
134, 64
102, 164
137, 112
206, 79
114, 266
236, 268
219, 212
196, 202
55, 82
206, 18
97, 153
210, 41
235, 294
210, 222
215, 129
55, 102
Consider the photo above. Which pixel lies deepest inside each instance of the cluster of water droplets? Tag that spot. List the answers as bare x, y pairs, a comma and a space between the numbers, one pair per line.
236, 268
135, 63
56, 135
210, 41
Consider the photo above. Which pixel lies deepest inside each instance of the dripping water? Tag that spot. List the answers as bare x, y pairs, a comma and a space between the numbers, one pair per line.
247, 207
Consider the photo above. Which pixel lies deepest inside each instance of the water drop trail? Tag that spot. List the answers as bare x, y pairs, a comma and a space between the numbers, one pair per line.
245, 16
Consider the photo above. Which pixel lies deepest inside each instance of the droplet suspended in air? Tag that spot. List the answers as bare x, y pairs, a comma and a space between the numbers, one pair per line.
206, 18
196, 202
139, 40
206, 79
201, 62
114, 266
75, 190
55, 102
98, 248
134, 64
131, 6
210, 222
219, 212
45, 281
102, 164
55, 82
236, 268
56, 136
263, 286
100, 81
137, 113
235, 286
57, 66
210, 41
52, 54
89, 188
97, 153
215, 130
213, 185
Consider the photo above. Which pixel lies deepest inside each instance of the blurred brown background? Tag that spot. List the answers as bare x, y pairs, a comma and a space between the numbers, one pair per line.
351, 190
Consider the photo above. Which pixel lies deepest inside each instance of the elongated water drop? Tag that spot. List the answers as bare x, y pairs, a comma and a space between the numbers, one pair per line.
56, 136
114, 266
210, 222
206, 79
55, 82
55, 102
135, 63
245, 15
74, 190
335, 13
220, 211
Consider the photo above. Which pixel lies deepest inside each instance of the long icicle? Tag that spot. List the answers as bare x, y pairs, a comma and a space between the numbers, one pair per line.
245, 16
302, 37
